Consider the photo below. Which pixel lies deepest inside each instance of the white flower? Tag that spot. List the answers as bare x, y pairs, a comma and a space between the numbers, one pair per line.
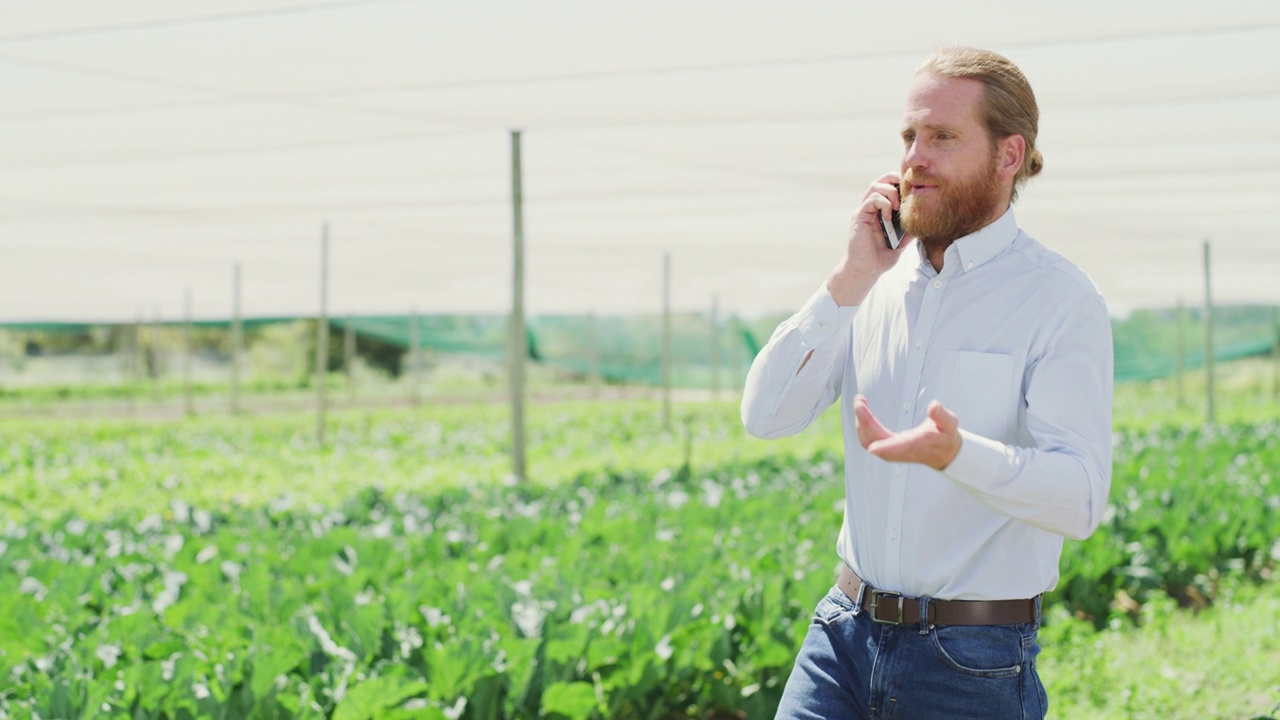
203, 520
677, 499
34, 588
168, 666
664, 649
208, 553
173, 582
201, 691
455, 712
231, 570
528, 616
433, 616
668, 584
173, 545
326, 643
108, 654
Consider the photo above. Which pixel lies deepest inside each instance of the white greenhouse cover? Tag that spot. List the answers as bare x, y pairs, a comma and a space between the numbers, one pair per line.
148, 146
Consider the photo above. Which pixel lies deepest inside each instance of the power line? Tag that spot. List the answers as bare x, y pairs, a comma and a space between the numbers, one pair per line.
913, 52
187, 20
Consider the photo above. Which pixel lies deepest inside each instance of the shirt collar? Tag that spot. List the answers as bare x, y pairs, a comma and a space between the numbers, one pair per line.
977, 248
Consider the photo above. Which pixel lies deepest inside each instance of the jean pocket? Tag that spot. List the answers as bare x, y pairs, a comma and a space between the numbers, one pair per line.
832, 607
993, 651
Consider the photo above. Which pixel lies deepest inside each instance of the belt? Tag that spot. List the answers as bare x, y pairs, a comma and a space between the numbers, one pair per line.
896, 609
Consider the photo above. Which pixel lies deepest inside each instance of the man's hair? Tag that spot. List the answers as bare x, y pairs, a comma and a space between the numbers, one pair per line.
1008, 105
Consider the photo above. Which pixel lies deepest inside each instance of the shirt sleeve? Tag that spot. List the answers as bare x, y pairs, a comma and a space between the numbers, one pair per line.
1061, 483
781, 397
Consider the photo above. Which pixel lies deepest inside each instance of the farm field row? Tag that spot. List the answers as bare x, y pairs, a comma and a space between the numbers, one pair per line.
212, 567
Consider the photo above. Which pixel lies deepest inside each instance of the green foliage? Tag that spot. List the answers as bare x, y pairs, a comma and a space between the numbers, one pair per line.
216, 567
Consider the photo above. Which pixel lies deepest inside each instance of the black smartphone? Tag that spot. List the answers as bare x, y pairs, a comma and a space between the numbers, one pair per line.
892, 228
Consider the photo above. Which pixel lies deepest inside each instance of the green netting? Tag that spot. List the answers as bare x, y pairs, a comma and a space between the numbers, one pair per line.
628, 348
1148, 342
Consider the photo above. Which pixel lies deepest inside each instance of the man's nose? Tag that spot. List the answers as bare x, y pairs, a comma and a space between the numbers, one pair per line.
913, 156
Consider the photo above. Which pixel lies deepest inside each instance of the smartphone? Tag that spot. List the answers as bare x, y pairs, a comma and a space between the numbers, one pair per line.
892, 228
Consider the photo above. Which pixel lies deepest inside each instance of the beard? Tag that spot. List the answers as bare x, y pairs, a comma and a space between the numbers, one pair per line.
961, 207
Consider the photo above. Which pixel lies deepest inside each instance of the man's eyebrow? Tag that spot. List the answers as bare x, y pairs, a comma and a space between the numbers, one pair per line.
926, 126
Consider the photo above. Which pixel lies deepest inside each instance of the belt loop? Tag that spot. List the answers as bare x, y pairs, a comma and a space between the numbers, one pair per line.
924, 614
1038, 617
857, 602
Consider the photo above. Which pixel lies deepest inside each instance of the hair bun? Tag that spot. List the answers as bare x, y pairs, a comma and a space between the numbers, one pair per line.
1035, 164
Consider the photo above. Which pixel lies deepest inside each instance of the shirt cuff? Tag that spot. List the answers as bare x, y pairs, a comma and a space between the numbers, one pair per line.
981, 462
821, 319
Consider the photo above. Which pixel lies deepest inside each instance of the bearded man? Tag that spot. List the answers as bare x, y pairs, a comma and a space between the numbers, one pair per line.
977, 370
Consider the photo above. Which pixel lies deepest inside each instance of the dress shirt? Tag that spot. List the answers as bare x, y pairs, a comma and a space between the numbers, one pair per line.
1012, 338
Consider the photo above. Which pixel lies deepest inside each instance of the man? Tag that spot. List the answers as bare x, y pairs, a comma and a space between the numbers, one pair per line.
977, 370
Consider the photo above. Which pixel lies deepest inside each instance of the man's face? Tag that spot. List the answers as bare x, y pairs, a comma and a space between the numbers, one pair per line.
950, 182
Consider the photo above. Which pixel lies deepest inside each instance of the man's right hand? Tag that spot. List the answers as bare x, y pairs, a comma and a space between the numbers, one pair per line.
866, 254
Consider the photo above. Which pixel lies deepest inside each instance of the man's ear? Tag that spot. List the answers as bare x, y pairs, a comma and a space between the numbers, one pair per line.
1010, 153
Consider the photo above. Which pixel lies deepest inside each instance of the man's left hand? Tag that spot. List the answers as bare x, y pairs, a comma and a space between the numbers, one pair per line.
934, 442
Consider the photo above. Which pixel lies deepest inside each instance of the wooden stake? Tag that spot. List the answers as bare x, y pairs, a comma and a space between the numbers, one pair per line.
237, 339
666, 341
322, 336
517, 340
1208, 334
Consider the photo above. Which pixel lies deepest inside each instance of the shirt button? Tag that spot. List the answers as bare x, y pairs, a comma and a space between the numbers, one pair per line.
897, 472
969, 266
919, 344
824, 327
893, 534
906, 407
937, 284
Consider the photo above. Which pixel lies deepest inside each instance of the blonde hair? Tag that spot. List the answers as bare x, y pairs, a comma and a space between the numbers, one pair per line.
1008, 105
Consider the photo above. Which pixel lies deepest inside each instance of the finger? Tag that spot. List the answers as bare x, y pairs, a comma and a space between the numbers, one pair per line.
869, 428
946, 420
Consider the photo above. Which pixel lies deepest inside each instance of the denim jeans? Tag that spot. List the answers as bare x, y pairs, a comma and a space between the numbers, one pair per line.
853, 667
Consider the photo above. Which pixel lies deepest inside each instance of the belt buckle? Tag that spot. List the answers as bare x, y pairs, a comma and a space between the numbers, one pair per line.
876, 596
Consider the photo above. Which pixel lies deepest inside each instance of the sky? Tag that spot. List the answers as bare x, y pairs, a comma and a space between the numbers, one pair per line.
148, 148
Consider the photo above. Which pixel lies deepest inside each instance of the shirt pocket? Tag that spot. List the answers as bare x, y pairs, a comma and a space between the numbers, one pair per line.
978, 388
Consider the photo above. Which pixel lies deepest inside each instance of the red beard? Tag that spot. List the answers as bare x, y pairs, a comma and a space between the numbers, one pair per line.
956, 209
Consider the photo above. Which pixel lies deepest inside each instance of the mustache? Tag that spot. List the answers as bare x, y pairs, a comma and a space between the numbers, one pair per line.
911, 179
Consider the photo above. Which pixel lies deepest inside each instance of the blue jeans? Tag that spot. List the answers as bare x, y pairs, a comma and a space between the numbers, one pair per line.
852, 667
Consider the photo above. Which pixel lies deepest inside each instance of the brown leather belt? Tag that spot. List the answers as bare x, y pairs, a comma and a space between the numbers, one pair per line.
896, 609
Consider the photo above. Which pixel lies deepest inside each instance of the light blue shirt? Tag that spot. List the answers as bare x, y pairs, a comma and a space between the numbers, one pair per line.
1012, 338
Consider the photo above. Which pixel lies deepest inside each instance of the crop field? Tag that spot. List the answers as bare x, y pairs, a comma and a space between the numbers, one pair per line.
226, 568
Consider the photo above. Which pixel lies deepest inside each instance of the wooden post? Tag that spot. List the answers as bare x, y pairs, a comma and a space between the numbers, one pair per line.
136, 362
666, 341
153, 357
517, 340
1275, 354
322, 336
1180, 360
237, 339
593, 354
415, 358
349, 357
188, 353
715, 347
1208, 334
